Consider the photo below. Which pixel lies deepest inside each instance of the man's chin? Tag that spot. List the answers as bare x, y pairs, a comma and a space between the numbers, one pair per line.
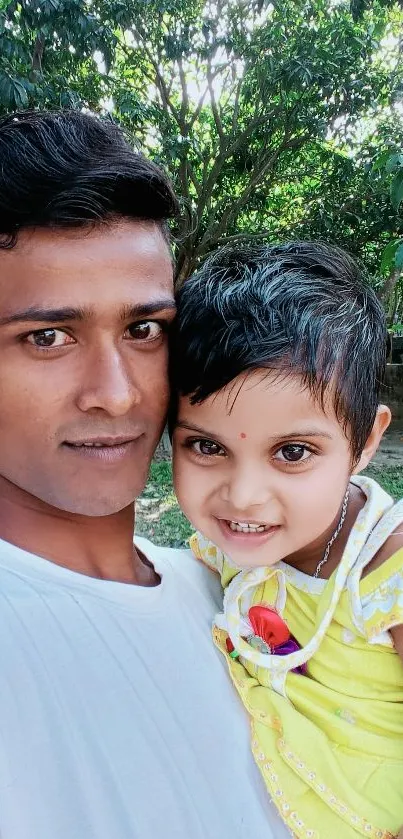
98, 506
105, 494
98, 501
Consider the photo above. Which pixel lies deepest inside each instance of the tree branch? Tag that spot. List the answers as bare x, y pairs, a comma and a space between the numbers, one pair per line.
214, 232
159, 79
216, 115
197, 111
185, 99
37, 55
199, 106
227, 149
236, 104
239, 237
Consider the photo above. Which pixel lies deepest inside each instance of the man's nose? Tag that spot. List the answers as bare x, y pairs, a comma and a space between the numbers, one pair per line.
108, 383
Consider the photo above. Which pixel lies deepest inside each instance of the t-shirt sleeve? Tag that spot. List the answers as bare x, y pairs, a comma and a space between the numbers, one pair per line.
382, 597
210, 555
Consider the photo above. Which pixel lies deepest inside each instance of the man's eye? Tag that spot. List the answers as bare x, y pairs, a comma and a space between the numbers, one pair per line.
207, 448
49, 338
293, 453
146, 330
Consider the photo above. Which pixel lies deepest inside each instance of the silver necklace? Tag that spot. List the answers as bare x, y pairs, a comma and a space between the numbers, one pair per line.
335, 534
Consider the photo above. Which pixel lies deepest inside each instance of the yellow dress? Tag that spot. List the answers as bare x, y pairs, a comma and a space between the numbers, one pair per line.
329, 743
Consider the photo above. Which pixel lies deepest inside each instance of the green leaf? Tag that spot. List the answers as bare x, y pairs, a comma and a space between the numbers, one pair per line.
389, 257
394, 162
380, 162
48, 6
396, 190
6, 91
399, 256
20, 95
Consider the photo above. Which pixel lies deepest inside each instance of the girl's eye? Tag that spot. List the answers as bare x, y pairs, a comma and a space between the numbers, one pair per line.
49, 338
146, 330
207, 448
293, 453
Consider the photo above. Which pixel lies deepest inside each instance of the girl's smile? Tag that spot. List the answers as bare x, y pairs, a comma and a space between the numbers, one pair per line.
248, 534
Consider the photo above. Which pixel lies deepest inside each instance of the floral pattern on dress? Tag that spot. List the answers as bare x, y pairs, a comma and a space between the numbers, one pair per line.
387, 598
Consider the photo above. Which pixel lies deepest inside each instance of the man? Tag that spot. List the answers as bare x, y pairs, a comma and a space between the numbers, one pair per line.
103, 735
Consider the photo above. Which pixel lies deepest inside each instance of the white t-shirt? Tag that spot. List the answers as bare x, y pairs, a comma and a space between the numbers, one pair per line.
117, 716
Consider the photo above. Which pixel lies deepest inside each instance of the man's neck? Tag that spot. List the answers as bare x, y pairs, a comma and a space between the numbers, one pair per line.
99, 547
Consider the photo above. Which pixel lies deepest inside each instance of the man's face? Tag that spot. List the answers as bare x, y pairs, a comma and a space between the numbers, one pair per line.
83, 372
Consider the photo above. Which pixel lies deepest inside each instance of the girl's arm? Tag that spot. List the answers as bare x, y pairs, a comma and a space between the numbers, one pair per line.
393, 544
397, 635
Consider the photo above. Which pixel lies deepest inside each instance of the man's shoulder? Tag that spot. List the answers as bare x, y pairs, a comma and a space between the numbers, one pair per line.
184, 565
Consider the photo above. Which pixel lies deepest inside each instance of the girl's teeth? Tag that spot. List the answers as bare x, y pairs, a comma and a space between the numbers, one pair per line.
243, 527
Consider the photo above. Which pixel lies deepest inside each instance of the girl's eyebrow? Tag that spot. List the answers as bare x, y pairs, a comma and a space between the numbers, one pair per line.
292, 435
306, 432
190, 427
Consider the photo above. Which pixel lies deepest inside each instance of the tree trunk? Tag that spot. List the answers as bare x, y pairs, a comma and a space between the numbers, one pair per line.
164, 448
389, 286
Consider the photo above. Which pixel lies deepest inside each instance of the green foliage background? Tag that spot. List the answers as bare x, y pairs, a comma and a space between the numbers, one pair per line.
275, 120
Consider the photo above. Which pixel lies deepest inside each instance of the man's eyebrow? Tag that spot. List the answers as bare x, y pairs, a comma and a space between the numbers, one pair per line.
45, 315
69, 313
147, 309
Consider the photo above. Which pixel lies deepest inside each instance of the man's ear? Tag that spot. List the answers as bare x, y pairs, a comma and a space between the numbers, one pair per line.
382, 420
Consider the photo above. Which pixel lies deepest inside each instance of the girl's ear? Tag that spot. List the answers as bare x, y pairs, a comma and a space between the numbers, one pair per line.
382, 420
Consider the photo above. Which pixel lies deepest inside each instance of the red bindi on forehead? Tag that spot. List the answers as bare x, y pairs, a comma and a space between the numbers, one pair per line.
242, 435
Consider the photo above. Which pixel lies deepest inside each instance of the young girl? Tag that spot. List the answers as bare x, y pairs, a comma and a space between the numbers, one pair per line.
277, 363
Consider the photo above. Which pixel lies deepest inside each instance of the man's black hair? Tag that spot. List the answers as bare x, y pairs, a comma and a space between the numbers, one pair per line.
301, 309
70, 169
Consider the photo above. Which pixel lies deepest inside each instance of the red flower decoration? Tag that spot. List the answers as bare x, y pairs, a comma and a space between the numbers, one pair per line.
268, 625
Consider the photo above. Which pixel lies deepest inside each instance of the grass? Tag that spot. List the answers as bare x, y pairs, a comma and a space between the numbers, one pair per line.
389, 477
159, 518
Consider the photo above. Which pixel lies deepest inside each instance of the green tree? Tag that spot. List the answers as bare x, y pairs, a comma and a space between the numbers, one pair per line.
390, 165
355, 200
238, 98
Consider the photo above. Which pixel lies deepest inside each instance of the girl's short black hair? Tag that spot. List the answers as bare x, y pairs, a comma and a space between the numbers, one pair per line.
302, 308
70, 169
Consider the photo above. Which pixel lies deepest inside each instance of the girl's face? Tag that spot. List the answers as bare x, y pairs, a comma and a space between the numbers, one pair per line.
261, 470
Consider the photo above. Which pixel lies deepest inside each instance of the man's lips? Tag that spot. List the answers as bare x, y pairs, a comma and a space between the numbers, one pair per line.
101, 441
105, 449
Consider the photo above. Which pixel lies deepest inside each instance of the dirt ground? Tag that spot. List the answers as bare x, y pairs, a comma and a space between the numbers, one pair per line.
390, 452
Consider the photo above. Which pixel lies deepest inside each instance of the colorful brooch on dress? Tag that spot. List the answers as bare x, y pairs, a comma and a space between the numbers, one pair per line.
268, 634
